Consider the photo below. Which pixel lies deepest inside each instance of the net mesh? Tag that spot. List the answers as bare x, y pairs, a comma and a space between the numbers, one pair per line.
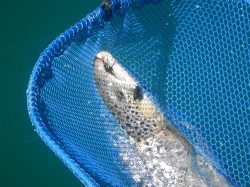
191, 57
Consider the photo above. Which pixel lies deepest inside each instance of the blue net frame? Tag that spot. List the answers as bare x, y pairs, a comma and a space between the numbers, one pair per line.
192, 57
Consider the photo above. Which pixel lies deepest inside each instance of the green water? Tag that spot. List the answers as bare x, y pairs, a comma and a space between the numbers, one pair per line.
27, 27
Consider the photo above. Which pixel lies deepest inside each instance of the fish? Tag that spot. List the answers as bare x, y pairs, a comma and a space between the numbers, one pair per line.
166, 153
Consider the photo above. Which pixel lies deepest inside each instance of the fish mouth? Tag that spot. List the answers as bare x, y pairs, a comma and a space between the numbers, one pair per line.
112, 67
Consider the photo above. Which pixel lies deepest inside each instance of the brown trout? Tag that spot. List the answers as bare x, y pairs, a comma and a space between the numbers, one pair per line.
165, 152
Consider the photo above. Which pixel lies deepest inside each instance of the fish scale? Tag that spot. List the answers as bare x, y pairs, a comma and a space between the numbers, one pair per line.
164, 151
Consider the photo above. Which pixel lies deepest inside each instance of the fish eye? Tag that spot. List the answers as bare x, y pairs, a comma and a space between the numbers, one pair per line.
108, 62
108, 68
138, 94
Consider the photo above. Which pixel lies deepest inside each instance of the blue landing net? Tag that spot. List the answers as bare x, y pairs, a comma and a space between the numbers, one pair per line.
191, 56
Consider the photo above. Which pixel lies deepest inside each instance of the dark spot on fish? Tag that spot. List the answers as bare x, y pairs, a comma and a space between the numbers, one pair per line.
145, 129
138, 94
127, 117
120, 95
158, 148
142, 123
128, 124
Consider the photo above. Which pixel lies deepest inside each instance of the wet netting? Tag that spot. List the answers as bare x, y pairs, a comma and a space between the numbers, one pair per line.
190, 56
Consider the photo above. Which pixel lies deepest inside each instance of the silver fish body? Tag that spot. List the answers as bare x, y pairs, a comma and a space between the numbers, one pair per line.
164, 151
